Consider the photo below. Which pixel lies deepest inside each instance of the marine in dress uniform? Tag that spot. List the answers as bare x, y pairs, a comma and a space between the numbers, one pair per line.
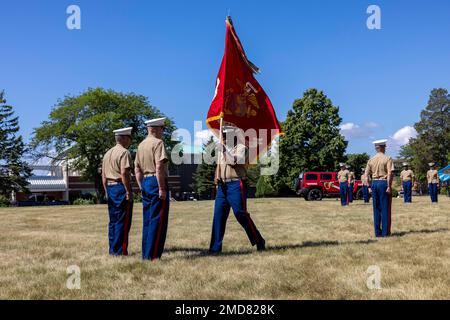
365, 186
351, 184
407, 180
151, 169
379, 171
231, 183
433, 182
116, 168
343, 177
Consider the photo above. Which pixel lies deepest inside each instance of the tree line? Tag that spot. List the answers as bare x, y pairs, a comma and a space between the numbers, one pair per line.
78, 130
312, 142
14, 170
432, 143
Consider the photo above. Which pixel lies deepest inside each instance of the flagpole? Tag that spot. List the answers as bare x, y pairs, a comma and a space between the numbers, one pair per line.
220, 130
221, 146
227, 19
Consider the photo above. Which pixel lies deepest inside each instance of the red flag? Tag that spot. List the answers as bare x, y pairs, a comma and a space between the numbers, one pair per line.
239, 99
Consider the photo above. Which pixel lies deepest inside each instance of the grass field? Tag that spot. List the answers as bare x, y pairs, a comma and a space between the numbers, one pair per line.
315, 250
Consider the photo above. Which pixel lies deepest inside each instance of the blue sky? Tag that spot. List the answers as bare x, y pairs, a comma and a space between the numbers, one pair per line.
171, 51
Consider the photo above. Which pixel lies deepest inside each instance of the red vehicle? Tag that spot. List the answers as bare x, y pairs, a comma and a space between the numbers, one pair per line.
316, 185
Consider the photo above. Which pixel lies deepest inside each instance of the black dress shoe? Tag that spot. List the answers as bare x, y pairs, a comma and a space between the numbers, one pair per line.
261, 246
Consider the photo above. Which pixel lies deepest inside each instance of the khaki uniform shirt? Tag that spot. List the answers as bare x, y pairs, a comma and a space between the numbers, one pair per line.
149, 152
364, 179
343, 175
233, 167
379, 166
406, 175
432, 176
116, 159
351, 177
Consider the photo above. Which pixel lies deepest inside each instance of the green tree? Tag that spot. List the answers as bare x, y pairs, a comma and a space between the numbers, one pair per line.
406, 153
14, 171
253, 175
432, 143
204, 176
357, 161
79, 129
264, 188
311, 140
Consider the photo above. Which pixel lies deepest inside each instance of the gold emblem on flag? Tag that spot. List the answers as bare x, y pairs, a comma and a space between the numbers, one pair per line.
243, 103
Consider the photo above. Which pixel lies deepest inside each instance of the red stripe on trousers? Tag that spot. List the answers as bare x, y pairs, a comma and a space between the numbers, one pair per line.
244, 205
158, 233
389, 212
125, 230
348, 195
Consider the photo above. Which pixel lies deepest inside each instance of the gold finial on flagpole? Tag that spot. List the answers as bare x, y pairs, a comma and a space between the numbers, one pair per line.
228, 18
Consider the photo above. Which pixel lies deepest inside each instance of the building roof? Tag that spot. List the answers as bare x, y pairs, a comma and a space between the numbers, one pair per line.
46, 184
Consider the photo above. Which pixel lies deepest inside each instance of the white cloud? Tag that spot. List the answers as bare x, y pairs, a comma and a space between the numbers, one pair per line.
372, 125
402, 136
371, 130
349, 126
351, 130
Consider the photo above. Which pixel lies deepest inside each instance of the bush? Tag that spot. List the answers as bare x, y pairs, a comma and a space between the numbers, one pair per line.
443, 190
264, 188
137, 197
4, 201
394, 193
83, 202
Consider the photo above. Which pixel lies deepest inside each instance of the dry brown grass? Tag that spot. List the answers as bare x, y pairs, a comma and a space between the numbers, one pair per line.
316, 250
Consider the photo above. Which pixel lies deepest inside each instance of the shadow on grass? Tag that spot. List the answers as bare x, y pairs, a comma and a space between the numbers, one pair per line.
195, 253
425, 231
